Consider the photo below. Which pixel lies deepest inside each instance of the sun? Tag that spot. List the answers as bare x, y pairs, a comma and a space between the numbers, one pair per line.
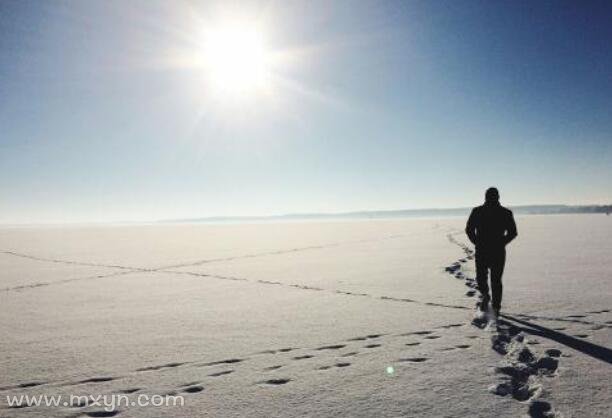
236, 60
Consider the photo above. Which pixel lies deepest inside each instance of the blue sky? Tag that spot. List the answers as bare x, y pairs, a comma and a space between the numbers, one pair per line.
378, 105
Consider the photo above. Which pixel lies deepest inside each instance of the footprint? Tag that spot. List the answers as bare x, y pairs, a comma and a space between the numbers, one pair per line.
582, 335
500, 342
280, 350
129, 390
95, 380
414, 359
343, 364
547, 365
540, 409
525, 355
215, 363
519, 390
432, 337
520, 375
193, 389
417, 333
305, 356
463, 346
412, 344
273, 368
190, 384
374, 336
275, 382
447, 349
335, 365
163, 366
451, 326
99, 414
372, 346
351, 354
222, 373
576, 316
332, 347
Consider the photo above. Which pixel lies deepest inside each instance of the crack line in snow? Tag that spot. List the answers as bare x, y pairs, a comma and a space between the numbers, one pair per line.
134, 269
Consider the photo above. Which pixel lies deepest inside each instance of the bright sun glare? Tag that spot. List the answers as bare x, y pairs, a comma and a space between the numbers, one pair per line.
236, 59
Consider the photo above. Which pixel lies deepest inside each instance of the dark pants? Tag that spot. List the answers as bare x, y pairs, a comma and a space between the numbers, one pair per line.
490, 260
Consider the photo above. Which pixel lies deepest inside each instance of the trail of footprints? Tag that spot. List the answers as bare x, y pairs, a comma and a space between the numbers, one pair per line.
455, 268
521, 366
522, 371
323, 358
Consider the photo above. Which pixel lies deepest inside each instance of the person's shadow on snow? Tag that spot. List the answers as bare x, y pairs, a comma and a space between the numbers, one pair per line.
596, 351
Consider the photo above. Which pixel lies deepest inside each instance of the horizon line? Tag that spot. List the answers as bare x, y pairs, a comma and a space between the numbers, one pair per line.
530, 209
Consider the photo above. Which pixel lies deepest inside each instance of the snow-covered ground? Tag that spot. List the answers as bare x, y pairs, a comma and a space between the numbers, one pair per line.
359, 318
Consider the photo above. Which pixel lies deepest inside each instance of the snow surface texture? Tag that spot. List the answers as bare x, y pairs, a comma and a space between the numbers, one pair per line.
364, 318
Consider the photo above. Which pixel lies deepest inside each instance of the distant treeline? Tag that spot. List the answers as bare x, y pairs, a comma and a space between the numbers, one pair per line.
556, 209
405, 213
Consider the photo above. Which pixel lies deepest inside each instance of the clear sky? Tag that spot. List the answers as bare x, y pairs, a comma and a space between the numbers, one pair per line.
112, 110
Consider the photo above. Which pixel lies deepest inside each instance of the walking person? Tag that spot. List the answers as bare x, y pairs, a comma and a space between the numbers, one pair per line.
490, 228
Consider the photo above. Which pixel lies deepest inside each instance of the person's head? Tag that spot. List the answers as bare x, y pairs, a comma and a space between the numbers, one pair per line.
492, 196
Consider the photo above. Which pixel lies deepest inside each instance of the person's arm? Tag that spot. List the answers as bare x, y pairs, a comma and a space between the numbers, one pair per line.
511, 231
470, 227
